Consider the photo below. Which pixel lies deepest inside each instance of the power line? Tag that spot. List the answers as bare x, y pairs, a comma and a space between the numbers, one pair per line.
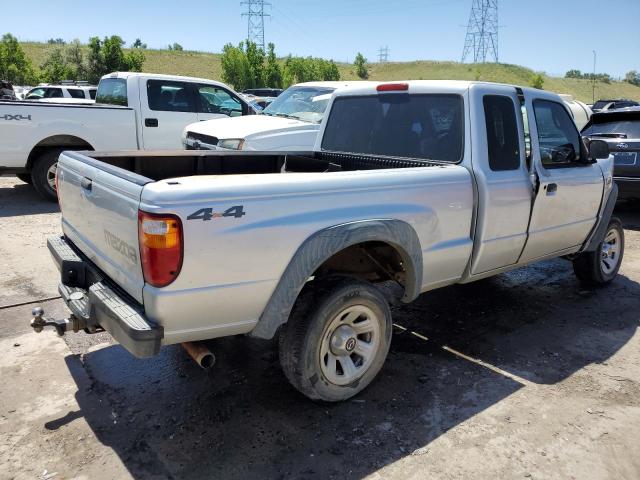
255, 20
482, 31
383, 54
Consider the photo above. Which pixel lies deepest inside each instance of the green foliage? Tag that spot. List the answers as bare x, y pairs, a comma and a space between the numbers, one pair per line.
632, 77
56, 41
175, 47
255, 57
361, 66
235, 67
138, 44
55, 68
106, 56
74, 57
537, 81
273, 73
599, 77
309, 69
15, 67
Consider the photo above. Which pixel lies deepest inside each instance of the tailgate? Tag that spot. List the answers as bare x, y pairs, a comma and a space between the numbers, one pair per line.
99, 206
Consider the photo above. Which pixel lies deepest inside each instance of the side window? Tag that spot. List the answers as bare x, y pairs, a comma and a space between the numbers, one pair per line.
76, 93
54, 93
92, 94
217, 100
169, 96
557, 134
502, 133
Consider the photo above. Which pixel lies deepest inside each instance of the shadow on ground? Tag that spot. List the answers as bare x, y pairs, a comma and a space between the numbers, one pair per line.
18, 198
165, 418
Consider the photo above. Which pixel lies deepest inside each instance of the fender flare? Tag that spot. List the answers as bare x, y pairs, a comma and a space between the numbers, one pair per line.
600, 229
323, 245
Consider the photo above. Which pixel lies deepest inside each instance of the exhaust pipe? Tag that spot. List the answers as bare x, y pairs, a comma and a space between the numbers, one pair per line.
200, 353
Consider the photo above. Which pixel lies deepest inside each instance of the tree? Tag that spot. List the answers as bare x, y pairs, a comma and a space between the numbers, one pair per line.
138, 44
176, 46
15, 67
95, 63
632, 77
273, 73
361, 66
537, 81
106, 56
255, 57
74, 57
235, 67
55, 68
56, 41
574, 74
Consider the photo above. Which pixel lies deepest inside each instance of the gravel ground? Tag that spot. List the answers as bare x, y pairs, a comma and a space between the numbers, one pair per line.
525, 375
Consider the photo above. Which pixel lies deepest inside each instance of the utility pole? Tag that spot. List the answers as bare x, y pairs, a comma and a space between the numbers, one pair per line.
255, 20
593, 80
383, 54
482, 32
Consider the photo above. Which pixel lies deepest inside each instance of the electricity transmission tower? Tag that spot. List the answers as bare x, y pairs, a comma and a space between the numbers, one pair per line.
255, 20
383, 54
482, 32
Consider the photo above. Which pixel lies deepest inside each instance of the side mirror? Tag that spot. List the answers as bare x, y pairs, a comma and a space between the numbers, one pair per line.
598, 150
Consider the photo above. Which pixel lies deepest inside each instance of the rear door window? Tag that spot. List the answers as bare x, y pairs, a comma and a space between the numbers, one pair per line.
54, 93
76, 93
503, 142
170, 96
424, 126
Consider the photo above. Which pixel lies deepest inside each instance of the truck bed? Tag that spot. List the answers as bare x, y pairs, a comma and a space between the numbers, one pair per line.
173, 164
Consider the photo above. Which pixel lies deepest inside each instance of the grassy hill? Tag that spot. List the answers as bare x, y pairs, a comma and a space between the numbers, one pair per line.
207, 65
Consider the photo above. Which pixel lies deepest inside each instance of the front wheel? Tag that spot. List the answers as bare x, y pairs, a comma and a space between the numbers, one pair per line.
598, 268
336, 340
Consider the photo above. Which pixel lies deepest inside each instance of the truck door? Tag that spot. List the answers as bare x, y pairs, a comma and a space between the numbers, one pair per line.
505, 191
569, 188
166, 107
217, 102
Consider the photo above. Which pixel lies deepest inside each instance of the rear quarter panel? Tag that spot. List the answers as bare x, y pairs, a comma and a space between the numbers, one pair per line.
232, 265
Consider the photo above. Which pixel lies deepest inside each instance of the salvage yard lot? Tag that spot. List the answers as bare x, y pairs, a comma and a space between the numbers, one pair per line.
524, 375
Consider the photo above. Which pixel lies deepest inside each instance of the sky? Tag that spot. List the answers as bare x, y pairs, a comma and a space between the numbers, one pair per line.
547, 35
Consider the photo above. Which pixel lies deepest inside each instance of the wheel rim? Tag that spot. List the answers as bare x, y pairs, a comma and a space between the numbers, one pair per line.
51, 176
350, 344
610, 253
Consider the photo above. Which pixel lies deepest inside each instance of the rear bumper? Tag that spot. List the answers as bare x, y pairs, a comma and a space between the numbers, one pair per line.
91, 296
628, 187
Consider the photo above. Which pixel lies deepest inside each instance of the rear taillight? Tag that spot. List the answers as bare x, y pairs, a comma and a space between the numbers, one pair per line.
393, 87
160, 238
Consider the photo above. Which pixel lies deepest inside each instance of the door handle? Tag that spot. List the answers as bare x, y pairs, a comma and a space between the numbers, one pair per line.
150, 122
86, 183
551, 188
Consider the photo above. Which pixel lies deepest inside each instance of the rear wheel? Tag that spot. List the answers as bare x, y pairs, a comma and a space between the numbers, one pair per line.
598, 268
43, 174
25, 177
336, 340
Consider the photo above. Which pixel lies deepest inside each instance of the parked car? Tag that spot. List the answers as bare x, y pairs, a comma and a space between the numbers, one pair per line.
133, 111
263, 92
621, 130
603, 105
290, 122
161, 249
580, 111
53, 92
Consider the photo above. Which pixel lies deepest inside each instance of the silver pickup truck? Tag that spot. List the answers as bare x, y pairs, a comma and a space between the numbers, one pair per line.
424, 183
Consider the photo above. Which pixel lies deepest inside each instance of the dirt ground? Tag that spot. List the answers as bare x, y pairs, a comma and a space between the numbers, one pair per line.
525, 375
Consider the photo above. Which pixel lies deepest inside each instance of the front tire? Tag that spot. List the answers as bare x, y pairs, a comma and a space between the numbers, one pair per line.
43, 174
336, 340
600, 267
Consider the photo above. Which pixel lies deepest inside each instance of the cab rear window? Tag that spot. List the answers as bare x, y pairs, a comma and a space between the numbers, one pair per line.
112, 91
424, 126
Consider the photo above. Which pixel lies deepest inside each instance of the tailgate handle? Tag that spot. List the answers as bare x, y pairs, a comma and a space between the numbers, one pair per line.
150, 122
86, 183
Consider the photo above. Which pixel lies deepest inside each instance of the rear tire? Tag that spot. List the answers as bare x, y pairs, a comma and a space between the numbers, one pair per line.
600, 267
336, 340
43, 174
25, 177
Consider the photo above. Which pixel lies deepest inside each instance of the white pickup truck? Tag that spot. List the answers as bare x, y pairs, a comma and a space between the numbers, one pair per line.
132, 111
290, 122
425, 183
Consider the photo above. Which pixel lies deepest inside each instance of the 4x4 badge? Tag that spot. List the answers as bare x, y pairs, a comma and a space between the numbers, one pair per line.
623, 146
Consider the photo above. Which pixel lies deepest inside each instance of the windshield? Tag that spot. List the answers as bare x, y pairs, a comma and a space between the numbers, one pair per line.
625, 129
112, 91
429, 126
303, 103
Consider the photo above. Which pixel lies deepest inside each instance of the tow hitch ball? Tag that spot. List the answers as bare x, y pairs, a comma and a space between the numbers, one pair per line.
39, 321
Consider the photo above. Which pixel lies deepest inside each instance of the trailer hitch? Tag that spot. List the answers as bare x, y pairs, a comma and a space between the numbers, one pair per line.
72, 323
